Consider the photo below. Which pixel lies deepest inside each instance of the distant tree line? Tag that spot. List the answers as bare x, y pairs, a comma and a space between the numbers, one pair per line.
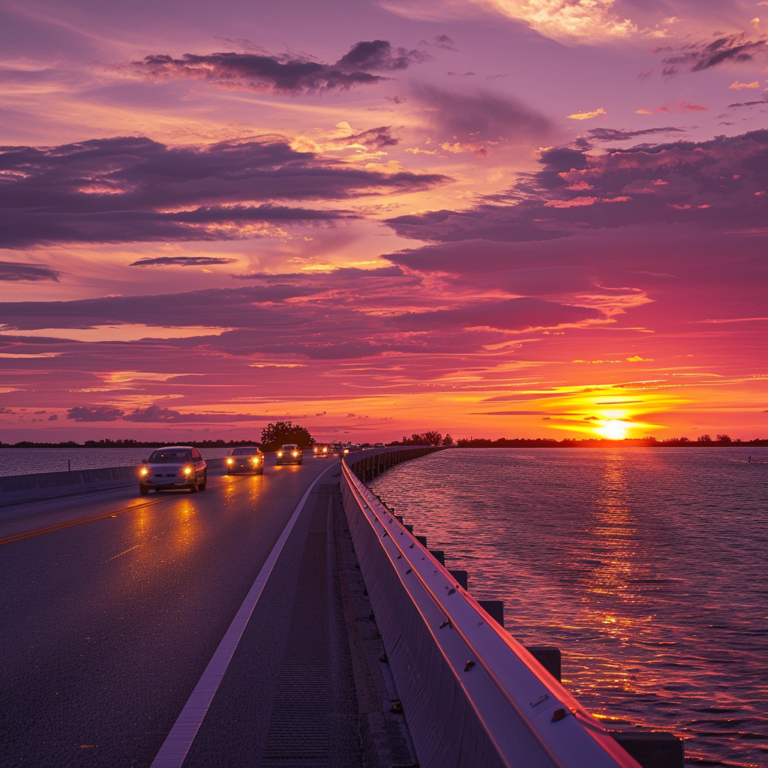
426, 438
276, 434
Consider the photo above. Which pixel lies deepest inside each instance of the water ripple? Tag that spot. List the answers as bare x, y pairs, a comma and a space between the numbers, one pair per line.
647, 567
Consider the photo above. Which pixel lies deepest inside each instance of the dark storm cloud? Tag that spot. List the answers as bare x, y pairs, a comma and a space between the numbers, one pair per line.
714, 185
697, 57
182, 261
266, 73
135, 189
616, 134
481, 120
94, 413
12, 271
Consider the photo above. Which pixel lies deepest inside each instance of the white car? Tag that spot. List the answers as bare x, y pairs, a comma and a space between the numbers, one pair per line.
174, 467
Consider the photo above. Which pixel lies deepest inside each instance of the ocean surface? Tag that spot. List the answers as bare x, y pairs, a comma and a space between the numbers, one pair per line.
27, 461
647, 567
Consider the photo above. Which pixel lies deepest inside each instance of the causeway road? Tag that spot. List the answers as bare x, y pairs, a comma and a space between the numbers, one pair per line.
108, 625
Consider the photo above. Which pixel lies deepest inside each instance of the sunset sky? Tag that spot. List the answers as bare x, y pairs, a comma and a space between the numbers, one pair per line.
520, 218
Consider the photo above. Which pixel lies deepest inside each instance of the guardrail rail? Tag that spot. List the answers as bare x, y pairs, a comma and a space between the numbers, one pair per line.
471, 694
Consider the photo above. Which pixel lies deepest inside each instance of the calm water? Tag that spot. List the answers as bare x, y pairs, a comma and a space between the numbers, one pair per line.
647, 567
27, 461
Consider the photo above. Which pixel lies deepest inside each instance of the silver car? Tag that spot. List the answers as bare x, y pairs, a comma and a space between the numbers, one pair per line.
247, 459
290, 453
174, 467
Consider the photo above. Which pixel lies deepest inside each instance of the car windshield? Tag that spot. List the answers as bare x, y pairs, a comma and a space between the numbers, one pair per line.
290, 447
168, 457
245, 451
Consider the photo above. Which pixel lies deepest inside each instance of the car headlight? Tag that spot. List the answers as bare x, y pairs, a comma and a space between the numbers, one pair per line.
230, 461
279, 454
255, 459
187, 470
346, 450
143, 471
295, 454
325, 450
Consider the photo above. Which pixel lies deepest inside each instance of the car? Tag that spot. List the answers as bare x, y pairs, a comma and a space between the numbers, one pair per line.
378, 445
322, 450
172, 468
290, 453
246, 459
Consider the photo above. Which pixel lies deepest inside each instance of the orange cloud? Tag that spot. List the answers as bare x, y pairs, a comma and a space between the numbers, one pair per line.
737, 86
587, 115
670, 107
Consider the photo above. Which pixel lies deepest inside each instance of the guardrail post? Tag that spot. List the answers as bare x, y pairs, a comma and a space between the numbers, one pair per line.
495, 609
549, 657
462, 579
653, 749
439, 555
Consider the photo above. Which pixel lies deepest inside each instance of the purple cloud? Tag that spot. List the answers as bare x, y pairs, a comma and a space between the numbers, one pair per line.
616, 134
157, 414
697, 57
182, 261
94, 413
512, 314
266, 73
135, 189
12, 271
480, 121
717, 185
222, 307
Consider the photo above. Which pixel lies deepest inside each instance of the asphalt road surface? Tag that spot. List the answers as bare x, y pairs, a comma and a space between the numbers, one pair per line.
107, 626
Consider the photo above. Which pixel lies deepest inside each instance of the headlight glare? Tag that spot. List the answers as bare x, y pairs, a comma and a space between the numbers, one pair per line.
295, 454
187, 470
230, 461
144, 471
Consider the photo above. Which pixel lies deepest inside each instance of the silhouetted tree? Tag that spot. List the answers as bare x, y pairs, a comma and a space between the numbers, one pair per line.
447, 440
282, 432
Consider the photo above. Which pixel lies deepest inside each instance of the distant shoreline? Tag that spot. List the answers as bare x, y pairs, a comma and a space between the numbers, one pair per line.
475, 443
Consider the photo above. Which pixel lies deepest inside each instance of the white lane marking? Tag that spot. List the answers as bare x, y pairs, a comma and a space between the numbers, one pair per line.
176, 745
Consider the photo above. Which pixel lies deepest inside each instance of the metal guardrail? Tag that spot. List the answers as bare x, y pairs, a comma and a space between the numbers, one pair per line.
472, 695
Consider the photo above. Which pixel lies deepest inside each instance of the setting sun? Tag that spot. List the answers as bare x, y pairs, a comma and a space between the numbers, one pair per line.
613, 429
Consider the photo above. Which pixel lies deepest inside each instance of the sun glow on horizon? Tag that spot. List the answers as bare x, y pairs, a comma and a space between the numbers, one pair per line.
613, 429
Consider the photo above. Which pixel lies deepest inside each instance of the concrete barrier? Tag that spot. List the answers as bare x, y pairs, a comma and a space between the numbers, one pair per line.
18, 489
471, 694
